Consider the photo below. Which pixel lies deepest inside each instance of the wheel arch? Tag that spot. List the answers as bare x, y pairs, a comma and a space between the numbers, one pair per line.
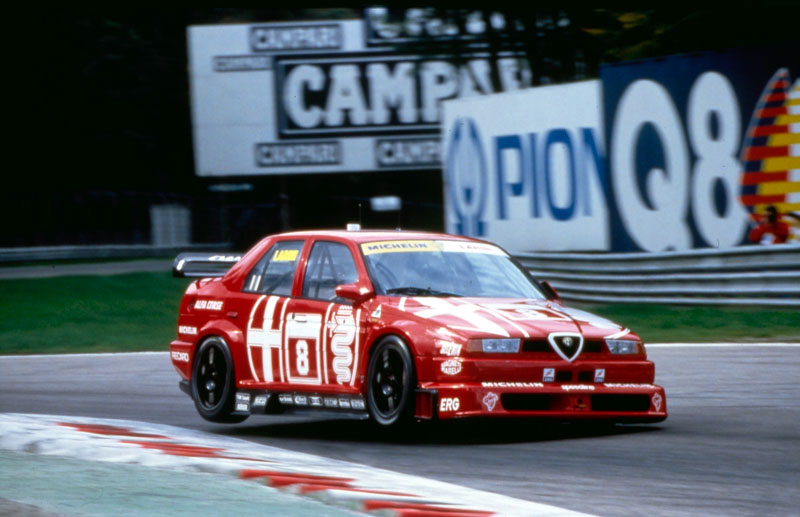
233, 338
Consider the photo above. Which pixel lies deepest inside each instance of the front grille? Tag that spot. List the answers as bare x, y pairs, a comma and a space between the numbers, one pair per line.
620, 403
593, 347
564, 376
525, 401
536, 345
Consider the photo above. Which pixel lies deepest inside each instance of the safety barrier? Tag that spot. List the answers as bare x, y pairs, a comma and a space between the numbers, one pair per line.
752, 275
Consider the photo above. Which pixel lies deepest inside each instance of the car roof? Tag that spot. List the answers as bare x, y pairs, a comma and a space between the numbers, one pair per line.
360, 236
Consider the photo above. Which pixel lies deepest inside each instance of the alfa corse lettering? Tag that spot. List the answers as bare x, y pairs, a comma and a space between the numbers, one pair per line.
209, 305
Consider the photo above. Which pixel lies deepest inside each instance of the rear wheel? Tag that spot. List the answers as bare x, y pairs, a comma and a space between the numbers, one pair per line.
213, 381
391, 382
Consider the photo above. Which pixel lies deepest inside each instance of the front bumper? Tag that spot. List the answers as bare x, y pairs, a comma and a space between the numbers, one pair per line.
564, 401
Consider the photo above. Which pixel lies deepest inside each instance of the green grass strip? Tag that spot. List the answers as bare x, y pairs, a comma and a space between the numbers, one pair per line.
115, 313
702, 324
138, 311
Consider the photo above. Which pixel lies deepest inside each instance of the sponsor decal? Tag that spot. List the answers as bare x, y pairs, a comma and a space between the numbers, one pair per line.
181, 357
577, 387
370, 248
376, 314
331, 402
342, 329
657, 401
449, 404
225, 258
344, 403
243, 402
285, 255
512, 385
286, 398
315, 401
470, 247
449, 349
626, 385
301, 400
451, 367
260, 400
189, 331
490, 400
208, 305
599, 375
548, 375
357, 404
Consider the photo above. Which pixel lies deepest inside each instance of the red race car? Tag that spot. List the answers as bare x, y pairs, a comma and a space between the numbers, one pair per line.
398, 325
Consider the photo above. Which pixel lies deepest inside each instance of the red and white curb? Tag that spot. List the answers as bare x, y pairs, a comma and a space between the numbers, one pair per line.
347, 485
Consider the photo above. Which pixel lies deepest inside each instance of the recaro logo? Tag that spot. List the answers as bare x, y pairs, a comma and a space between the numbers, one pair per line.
468, 177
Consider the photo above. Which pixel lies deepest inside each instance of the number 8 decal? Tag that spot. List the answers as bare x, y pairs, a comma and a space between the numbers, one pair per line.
301, 349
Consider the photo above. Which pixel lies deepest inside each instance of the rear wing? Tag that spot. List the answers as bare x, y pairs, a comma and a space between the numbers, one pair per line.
203, 265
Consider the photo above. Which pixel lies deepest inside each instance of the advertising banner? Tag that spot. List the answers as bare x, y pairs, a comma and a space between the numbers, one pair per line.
526, 169
698, 142
667, 154
311, 97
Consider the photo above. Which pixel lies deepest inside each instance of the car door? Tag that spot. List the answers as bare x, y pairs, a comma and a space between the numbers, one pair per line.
262, 306
324, 332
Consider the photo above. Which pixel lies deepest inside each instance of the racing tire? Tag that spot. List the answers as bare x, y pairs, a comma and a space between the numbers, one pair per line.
390, 383
213, 379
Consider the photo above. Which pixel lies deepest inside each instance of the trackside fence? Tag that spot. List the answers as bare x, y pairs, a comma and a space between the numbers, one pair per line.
752, 275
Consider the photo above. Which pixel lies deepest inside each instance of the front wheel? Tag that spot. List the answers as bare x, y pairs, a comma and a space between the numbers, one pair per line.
213, 382
391, 382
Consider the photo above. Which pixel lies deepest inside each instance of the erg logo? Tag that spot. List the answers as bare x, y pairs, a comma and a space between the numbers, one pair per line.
449, 404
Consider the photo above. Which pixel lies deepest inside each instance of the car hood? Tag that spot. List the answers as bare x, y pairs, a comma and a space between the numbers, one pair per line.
503, 317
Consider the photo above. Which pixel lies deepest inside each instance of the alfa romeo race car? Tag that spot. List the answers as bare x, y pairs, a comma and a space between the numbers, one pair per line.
398, 326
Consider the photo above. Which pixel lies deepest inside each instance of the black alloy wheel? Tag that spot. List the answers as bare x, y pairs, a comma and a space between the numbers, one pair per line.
391, 381
213, 381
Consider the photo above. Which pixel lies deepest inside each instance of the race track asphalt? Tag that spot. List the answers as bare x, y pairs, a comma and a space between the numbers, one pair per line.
731, 445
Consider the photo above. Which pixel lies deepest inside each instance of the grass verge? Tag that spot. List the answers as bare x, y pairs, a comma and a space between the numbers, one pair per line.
702, 324
138, 311
115, 313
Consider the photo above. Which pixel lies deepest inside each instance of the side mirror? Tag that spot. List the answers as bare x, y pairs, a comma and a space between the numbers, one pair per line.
550, 291
356, 293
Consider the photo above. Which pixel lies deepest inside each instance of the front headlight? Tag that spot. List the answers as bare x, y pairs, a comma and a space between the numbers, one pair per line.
494, 346
623, 346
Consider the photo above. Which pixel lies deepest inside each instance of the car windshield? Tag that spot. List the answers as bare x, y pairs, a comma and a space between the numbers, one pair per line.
445, 268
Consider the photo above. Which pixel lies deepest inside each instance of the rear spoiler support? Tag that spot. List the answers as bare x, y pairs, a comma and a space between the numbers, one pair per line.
203, 265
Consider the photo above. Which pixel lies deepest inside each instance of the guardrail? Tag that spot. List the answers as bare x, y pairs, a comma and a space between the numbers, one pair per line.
111, 251
752, 275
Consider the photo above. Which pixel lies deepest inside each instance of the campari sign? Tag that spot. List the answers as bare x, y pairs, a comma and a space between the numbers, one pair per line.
318, 97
